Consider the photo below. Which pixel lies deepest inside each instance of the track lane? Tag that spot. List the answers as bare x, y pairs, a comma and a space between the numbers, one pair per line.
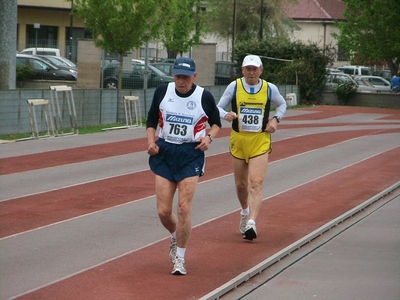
73, 153
51, 245
29, 212
123, 287
284, 219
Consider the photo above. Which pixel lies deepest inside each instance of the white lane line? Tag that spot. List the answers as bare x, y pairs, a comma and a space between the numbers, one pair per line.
155, 242
206, 181
129, 173
160, 240
87, 182
86, 269
301, 184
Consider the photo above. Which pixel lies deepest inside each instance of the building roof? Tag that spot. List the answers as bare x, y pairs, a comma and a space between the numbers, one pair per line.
318, 10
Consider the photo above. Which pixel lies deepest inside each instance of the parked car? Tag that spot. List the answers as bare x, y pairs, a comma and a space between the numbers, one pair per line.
164, 67
379, 83
355, 70
61, 62
387, 74
109, 68
44, 69
333, 70
333, 79
134, 78
138, 61
168, 60
42, 51
365, 86
225, 72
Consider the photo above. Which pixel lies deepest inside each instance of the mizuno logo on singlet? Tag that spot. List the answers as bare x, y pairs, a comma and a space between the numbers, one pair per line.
244, 110
179, 119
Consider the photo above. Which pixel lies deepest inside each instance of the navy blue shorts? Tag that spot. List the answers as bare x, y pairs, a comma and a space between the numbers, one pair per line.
176, 162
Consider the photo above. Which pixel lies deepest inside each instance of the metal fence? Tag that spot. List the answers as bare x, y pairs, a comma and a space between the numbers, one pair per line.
93, 106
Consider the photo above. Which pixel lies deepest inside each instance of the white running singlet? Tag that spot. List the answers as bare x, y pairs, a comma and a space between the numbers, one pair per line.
184, 120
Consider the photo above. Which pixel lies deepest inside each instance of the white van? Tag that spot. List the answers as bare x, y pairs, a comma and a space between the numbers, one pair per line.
42, 51
355, 70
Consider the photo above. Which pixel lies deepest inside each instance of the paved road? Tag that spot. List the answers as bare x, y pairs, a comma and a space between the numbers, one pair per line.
78, 218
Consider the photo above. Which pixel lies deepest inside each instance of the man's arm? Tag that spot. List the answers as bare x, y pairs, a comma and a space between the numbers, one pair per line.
278, 100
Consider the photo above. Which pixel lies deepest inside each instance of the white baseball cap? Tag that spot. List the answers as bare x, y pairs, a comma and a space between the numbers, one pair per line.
252, 60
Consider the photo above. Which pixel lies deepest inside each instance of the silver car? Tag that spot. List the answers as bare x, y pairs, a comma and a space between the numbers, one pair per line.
333, 79
379, 83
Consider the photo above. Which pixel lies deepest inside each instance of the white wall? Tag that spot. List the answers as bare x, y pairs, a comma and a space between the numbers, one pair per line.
318, 33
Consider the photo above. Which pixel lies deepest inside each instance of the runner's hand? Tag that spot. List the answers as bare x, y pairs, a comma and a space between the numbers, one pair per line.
272, 126
230, 116
153, 149
204, 142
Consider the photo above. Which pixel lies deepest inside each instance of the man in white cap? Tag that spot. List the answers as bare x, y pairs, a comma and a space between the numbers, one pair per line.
250, 140
181, 109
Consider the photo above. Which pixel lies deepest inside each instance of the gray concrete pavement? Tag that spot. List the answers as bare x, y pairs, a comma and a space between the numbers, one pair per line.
362, 262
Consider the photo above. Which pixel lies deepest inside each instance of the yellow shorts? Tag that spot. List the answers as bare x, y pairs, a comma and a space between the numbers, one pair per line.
246, 145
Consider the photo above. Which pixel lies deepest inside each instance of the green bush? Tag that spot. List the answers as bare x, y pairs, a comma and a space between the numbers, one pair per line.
292, 63
25, 72
345, 91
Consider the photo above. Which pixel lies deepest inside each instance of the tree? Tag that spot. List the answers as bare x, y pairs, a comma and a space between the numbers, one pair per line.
372, 31
184, 28
287, 62
24, 72
249, 20
121, 25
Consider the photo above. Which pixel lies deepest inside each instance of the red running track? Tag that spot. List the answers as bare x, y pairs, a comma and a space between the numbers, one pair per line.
215, 256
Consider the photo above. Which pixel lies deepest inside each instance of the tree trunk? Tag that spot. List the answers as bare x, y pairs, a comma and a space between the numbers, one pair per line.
8, 36
172, 53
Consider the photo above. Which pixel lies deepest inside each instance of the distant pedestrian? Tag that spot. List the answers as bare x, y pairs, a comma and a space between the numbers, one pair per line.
395, 83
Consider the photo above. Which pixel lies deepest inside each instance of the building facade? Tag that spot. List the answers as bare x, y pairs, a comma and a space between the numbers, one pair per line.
48, 23
316, 22
59, 29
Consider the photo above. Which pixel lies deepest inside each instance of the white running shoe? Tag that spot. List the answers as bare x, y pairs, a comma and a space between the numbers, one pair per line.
179, 266
250, 233
172, 250
243, 223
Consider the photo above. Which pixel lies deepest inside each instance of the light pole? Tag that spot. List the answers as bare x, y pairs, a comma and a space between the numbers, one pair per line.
233, 31
71, 31
37, 27
146, 65
261, 20
146, 59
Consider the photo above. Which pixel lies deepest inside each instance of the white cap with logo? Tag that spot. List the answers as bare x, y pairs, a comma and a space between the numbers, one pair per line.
252, 60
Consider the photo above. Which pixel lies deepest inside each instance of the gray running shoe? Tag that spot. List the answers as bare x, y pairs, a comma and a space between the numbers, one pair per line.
179, 266
250, 232
172, 250
243, 223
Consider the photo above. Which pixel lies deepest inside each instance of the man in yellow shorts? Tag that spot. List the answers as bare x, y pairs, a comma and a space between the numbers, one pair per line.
250, 141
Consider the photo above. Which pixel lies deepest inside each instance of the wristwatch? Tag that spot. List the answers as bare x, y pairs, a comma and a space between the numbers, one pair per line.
211, 138
277, 118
